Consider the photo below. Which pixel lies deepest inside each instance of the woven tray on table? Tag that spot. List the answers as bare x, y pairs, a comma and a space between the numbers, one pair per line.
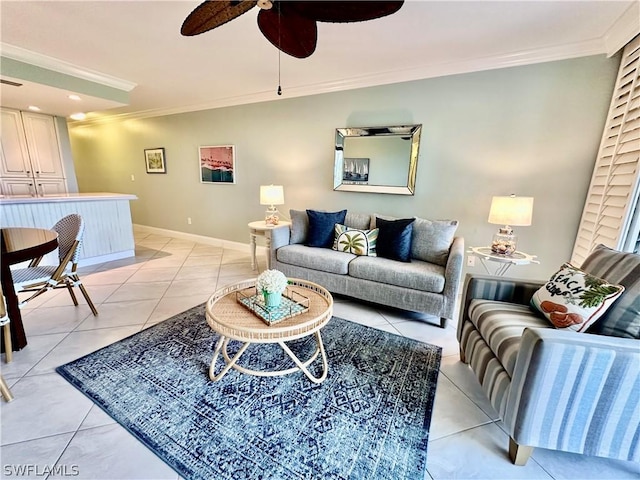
292, 304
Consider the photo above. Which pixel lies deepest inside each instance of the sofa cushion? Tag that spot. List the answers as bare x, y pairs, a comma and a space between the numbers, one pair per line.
322, 259
320, 233
432, 239
416, 275
574, 299
623, 318
354, 240
299, 226
394, 238
361, 221
501, 325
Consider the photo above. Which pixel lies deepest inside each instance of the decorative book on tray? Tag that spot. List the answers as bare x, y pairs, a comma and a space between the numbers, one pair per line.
292, 304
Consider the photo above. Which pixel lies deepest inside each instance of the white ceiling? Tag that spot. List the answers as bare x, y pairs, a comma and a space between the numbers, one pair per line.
139, 43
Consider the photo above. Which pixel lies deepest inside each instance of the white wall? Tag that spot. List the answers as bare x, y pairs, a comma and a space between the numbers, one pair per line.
530, 130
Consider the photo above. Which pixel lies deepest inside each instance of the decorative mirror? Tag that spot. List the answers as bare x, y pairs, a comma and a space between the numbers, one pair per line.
377, 159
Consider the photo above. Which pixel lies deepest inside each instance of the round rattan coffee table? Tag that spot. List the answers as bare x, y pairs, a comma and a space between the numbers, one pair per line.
226, 316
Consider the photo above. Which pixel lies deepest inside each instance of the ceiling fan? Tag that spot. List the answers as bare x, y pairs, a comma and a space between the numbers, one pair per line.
289, 25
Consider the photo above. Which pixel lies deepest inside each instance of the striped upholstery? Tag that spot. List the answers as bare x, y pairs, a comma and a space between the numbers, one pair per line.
498, 289
623, 318
501, 325
576, 393
492, 376
554, 388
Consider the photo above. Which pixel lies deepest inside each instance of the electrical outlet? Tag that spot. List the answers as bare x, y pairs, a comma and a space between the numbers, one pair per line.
471, 261
133, 179
188, 220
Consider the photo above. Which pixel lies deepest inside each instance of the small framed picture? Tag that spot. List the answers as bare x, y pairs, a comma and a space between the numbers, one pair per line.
356, 171
218, 164
154, 160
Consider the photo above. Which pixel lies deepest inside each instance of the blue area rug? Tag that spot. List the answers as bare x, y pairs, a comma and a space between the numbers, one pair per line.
368, 420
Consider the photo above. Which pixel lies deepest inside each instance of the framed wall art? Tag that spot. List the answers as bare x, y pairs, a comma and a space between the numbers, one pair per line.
356, 171
218, 164
154, 160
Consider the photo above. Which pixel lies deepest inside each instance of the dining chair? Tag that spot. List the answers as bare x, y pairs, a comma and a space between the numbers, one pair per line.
40, 279
5, 391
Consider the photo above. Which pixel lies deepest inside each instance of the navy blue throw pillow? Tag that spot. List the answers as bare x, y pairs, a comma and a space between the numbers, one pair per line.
321, 227
394, 238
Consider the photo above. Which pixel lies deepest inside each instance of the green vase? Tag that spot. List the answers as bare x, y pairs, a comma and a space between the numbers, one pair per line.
272, 299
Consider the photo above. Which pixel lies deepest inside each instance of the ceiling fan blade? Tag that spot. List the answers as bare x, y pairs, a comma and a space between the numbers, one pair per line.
348, 11
212, 14
294, 35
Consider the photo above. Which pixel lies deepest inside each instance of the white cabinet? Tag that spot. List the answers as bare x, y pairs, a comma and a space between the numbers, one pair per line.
30, 159
14, 156
51, 187
42, 142
17, 187
23, 187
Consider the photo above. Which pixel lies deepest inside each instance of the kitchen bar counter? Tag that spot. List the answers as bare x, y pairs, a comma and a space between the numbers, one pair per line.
108, 228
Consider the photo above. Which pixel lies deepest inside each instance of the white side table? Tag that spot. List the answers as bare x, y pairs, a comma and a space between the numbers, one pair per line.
261, 229
504, 261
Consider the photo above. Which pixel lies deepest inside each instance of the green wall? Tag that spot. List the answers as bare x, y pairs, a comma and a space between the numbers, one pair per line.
532, 131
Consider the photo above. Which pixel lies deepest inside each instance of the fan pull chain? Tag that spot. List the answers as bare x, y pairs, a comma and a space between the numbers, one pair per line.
279, 52
279, 86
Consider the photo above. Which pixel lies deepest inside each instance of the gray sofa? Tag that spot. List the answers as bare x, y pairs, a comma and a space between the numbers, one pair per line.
419, 285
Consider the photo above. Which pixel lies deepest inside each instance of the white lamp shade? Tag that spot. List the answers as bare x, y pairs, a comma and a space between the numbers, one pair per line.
271, 195
514, 211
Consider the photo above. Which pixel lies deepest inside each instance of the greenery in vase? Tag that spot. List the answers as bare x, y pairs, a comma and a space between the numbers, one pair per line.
271, 281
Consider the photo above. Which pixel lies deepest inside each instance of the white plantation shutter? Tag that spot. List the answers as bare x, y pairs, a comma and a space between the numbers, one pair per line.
615, 185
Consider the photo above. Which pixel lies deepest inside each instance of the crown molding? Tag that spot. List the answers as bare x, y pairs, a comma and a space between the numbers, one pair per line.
563, 52
60, 66
623, 30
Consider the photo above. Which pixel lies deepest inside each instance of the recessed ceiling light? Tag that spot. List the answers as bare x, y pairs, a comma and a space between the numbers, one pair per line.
33, 108
78, 116
75, 97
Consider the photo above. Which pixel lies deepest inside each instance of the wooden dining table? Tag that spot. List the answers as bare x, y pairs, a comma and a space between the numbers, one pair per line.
20, 244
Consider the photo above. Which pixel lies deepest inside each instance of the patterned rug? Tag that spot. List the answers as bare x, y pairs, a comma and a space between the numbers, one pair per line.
368, 420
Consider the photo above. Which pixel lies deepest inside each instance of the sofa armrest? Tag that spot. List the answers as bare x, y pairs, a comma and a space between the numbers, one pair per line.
575, 392
501, 289
279, 238
452, 275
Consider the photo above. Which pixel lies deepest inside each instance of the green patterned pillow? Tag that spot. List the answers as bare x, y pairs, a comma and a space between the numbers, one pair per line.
353, 240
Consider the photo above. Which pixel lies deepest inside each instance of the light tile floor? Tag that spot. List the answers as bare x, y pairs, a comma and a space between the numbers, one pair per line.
51, 424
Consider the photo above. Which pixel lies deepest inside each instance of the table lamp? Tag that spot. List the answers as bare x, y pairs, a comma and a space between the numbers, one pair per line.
509, 211
271, 195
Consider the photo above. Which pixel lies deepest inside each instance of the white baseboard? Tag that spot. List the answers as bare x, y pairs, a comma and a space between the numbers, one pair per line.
216, 242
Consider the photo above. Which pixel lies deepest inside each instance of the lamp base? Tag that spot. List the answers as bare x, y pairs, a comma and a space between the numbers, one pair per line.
272, 216
504, 242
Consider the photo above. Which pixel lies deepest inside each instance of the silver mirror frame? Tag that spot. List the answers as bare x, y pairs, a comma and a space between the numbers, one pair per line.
412, 131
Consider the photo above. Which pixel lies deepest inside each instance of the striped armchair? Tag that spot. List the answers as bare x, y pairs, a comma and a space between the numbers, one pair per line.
554, 388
